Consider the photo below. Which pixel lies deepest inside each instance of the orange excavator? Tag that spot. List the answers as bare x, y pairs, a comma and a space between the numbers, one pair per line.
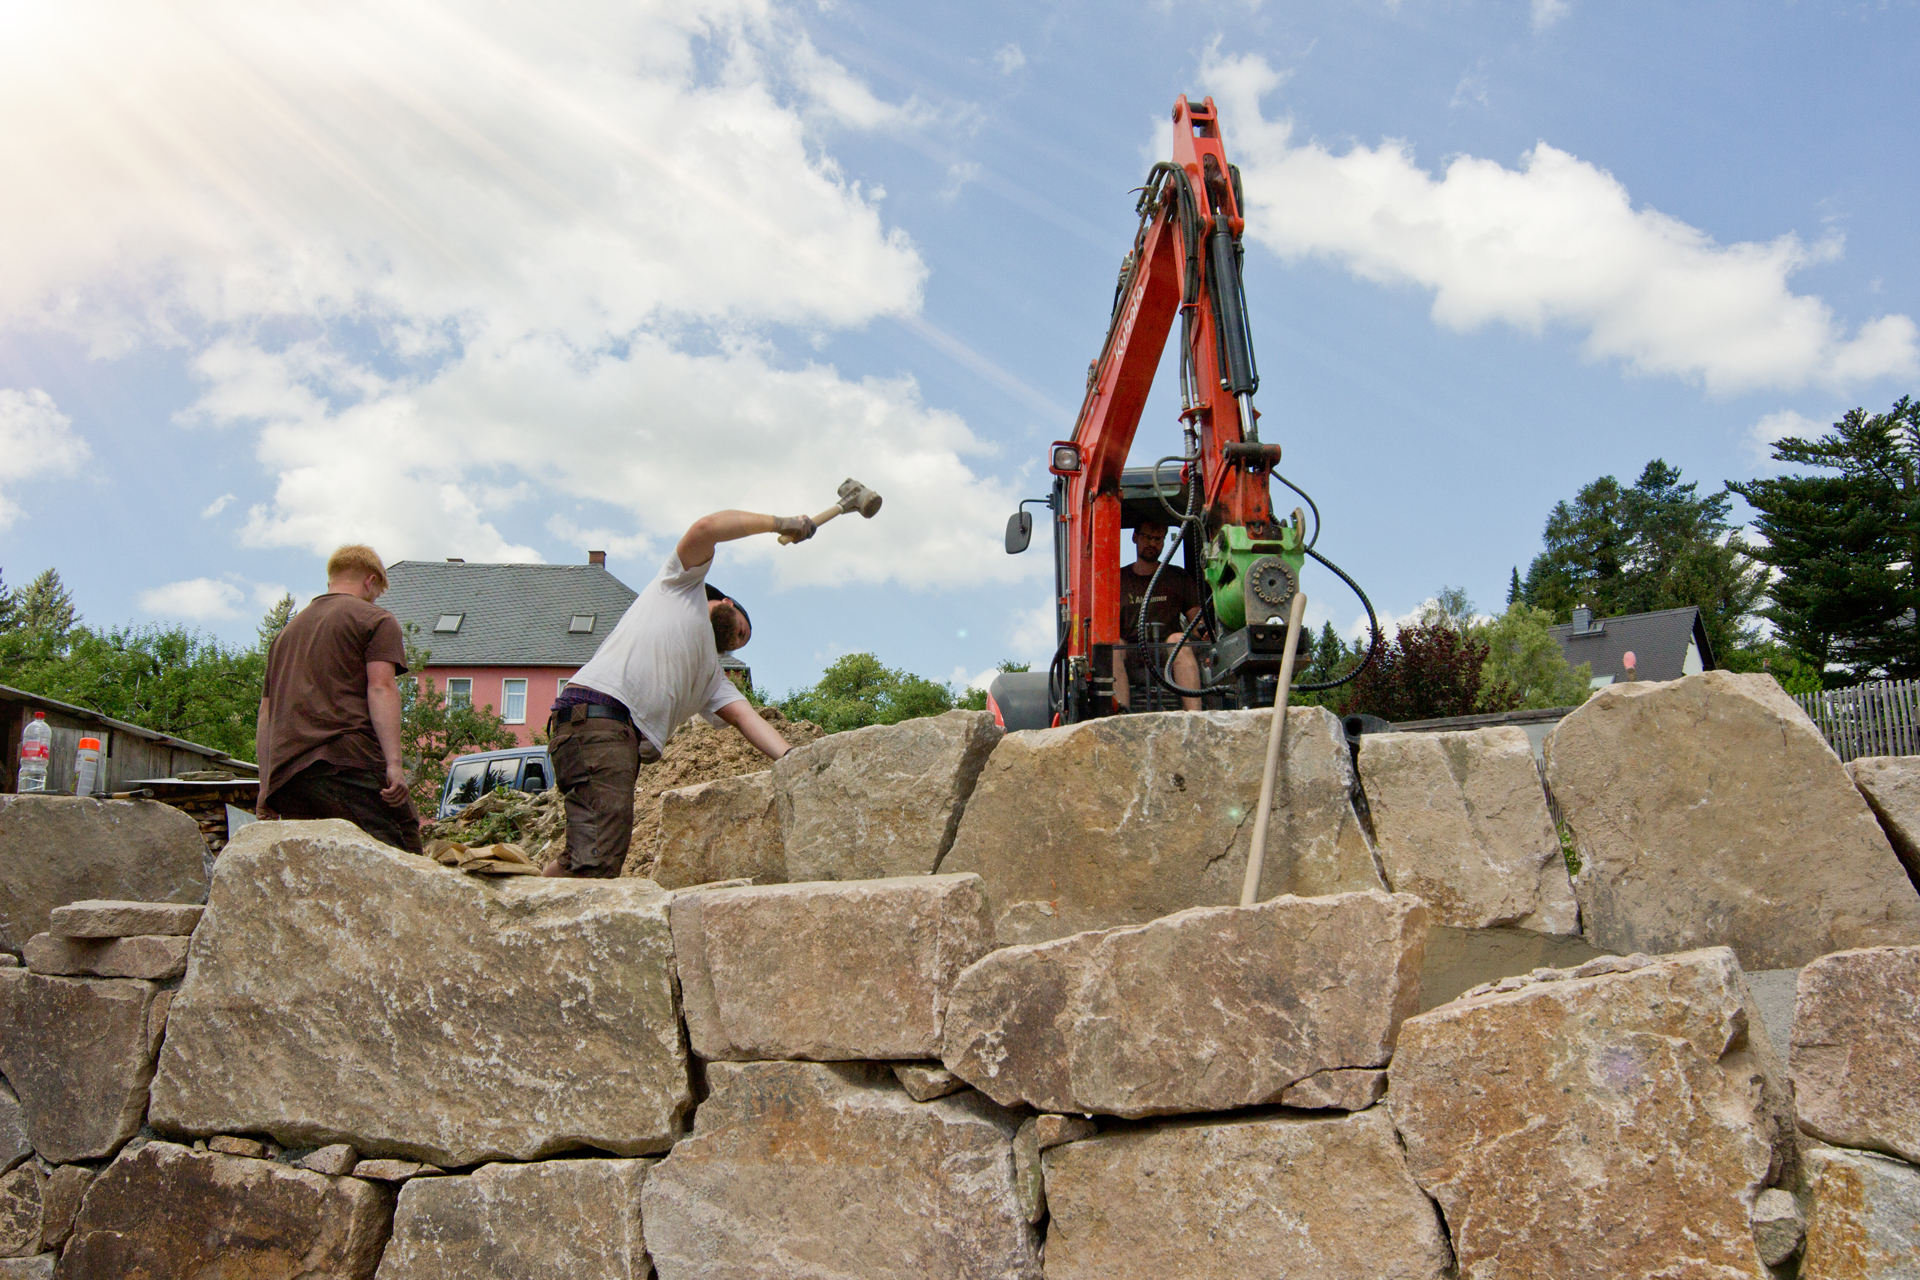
1185, 267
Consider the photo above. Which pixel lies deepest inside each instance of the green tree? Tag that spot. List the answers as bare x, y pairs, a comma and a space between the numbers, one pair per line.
433, 731
976, 699
45, 605
1655, 545
1332, 658
1846, 545
9, 611
1524, 666
859, 690
1428, 671
275, 621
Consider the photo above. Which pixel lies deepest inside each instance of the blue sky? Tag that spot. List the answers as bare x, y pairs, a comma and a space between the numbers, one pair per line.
466, 283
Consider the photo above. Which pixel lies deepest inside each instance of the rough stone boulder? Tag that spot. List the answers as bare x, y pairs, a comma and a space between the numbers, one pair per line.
1617, 1124
1710, 811
1856, 1049
60, 849
551, 1220
79, 1053
1305, 1198
1126, 819
166, 1210
1208, 1009
726, 829
1891, 785
827, 971
343, 991
1864, 1223
815, 1171
880, 801
1461, 820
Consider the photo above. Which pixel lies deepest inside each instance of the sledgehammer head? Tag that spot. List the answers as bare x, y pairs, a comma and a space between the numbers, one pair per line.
855, 496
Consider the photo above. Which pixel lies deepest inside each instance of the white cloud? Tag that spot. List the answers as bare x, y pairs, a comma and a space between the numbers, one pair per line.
268, 594
1776, 426
1548, 12
1008, 59
568, 232
196, 598
1557, 242
218, 505
36, 439
1032, 634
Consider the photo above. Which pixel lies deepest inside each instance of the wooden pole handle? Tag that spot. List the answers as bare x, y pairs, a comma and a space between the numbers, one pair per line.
1257, 849
818, 520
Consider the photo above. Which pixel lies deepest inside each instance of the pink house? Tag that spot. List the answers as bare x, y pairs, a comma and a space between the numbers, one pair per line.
509, 636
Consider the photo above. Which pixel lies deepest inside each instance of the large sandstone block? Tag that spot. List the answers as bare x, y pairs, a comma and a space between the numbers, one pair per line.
60, 849
827, 971
1619, 1124
79, 1053
343, 991
1856, 1049
1206, 1010
1864, 1223
156, 957
880, 801
1710, 811
813, 1171
166, 1210
1891, 785
1461, 820
726, 829
551, 1220
100, 919
1126, 819
1308, 1199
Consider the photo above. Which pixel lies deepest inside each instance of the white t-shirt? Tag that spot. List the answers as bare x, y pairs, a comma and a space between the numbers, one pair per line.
660, 658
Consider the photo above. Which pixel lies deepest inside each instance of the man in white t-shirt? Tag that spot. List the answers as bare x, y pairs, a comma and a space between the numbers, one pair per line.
660, 664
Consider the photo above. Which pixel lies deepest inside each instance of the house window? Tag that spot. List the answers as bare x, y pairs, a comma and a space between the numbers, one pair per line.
581, 625
513, 699
560, 686
459, 691
449, 623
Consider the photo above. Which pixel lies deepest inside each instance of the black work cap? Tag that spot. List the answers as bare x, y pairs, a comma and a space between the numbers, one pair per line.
715, 593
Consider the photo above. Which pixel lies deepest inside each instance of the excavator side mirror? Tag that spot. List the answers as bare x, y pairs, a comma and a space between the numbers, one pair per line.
1019, 532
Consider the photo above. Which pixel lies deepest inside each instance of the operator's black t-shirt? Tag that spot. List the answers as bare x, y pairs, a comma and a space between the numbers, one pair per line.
1174, 596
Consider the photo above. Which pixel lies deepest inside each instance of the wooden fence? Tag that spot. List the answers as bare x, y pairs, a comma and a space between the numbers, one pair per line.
1878, 719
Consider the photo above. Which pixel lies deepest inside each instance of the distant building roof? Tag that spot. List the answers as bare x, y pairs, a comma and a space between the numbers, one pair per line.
1658, 642
521, 615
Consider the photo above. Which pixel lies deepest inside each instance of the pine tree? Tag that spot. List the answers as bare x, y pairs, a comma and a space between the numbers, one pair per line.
1515, 591
8, 610
46, 606
275, 621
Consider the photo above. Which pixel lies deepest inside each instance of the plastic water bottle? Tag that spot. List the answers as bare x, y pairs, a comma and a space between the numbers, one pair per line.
86, 766
36, 749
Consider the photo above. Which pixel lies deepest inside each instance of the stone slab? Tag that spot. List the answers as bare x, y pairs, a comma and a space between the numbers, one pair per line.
1779, 1227
1856, 1050
1307, 1198
816, 1171
1460, 819
1615, 1124
22, 1211
551, 1220
1864, 1217
1891, 785
1773, 992
1351, 1089
60, 1201
339, 1158
826, 971
15, 1146
1126, 819
1709, 811
1206, 1010
158, 958
725, 829
924, 1082
79, 1053
35, 1268
60, 849
228, 1145
167, 1210
444, 1017
98, 918
880, 801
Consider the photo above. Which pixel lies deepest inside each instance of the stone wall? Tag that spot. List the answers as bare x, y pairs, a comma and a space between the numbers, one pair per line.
1044, 1044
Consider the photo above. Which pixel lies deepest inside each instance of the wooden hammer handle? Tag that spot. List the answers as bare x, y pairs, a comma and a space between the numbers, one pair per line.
818, 520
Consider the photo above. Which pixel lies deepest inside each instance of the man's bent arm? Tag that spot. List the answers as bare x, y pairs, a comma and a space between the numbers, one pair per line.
383, 704
742, 716
697, 543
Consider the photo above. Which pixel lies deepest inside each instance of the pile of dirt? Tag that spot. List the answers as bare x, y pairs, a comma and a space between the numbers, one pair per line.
698, 753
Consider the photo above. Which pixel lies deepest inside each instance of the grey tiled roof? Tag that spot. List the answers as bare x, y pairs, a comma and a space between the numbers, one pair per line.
516, 614
1658, 641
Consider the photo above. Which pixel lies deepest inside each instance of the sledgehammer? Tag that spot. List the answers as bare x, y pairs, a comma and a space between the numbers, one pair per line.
854, 496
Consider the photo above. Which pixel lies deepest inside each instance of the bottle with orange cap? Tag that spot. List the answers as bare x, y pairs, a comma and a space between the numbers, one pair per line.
86, 766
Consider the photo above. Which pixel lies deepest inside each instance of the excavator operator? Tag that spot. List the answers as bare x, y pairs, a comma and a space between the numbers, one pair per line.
1171, 613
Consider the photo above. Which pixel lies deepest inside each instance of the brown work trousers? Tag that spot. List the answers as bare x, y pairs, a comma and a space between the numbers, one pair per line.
595, 763
323, 790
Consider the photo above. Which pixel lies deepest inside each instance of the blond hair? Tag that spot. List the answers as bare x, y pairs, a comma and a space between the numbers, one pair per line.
357, 560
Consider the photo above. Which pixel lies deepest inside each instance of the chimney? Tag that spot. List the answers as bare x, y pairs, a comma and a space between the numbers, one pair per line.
1582, 619
455, 560
597, 558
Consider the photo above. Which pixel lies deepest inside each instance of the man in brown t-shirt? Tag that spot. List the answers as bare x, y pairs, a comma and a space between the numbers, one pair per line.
1174, 609
329, 732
